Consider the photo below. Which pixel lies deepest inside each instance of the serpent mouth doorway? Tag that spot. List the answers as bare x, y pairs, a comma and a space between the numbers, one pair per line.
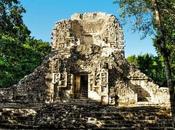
81, 86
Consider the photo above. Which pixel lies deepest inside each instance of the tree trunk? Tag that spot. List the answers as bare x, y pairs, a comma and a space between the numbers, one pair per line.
168, 74
161, 44
168, 71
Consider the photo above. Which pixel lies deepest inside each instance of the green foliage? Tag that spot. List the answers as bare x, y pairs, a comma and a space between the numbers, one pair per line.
132, 59
17, 60
11, 22
154, 17
151, 65
138, 13
19, 53
141, 13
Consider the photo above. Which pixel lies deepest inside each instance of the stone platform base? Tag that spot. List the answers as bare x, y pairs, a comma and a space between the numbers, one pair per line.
86, 115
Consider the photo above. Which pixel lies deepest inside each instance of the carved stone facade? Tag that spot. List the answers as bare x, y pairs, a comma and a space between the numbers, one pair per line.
87, 62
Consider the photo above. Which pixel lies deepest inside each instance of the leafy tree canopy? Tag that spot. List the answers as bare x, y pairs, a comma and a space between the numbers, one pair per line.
11, 22
151, 65
154, 17
19, 52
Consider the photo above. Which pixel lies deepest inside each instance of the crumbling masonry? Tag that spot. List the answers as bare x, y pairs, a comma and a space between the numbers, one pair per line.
87, 62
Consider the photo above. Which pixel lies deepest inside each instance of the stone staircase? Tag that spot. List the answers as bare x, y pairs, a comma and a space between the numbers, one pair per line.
87, 114
128, 119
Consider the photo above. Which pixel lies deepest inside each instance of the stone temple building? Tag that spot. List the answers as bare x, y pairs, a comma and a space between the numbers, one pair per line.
87, 62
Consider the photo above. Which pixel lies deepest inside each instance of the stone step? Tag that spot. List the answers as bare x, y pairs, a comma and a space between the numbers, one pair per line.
16, 126
137, 116
84, 101
19, 105
119, 125
114, 128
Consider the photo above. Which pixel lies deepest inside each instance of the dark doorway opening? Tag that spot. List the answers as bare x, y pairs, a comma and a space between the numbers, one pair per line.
81, 86
84, 86
142, 95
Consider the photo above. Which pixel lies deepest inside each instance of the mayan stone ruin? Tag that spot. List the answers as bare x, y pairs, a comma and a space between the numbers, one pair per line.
86, 82
87, 62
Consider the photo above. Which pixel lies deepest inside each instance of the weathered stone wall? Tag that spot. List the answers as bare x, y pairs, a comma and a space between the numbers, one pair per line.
87, 43
98, 29
32, 88
6, 94
152, 92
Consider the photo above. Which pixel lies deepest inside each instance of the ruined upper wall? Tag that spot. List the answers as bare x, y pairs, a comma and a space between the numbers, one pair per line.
89, 28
